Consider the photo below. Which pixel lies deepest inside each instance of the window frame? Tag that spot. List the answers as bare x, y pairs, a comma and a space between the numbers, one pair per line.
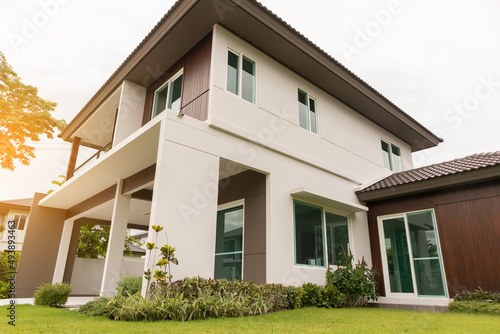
227, 206
383, 254
309, 97
324, 211
390, 147
167, 83
239, 73
17, 218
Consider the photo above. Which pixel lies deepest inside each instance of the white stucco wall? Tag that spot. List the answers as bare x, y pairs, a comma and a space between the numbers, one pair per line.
346, 139
266, 138
130, 111
87, 274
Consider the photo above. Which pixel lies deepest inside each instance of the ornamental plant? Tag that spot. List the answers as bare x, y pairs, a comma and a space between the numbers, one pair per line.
162, 274
356, 281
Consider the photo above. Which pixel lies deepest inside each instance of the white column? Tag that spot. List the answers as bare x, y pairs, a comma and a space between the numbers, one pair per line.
114, 255
62, 254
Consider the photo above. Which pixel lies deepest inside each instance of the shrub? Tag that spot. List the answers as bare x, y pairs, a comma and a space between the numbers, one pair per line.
330, 296
52, 294
293, 297
478, 295
311, 294
356, 282
473, 306
95, 307
129, 285
4, 289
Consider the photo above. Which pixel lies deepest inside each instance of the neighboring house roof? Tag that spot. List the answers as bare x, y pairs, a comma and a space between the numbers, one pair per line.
19, 202
140, 235
135, 249
472, 168
259, 26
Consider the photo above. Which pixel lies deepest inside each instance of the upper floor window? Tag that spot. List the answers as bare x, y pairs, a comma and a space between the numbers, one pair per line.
241, 76
168, 95
392, 156
20, 222
307, 112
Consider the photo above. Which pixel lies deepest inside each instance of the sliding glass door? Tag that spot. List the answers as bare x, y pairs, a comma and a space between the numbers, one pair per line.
411, 255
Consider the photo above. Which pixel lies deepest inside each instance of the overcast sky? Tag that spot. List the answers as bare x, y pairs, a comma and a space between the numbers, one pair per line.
437, 60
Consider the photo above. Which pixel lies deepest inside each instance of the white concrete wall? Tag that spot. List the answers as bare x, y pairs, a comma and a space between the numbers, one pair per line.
184, 200
130, 111
346, 140
185, 204
87, 274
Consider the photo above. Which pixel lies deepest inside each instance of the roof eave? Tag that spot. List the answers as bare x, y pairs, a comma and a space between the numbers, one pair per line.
437, 183
387, 114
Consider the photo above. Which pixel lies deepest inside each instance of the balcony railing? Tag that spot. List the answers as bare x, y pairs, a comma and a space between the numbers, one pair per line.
95, 156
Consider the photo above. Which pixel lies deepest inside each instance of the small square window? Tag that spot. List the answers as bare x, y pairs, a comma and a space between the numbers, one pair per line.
391, 155
307, 112
242, 85
169, 94
20, 222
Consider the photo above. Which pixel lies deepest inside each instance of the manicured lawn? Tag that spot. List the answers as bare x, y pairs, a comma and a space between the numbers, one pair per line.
40, 319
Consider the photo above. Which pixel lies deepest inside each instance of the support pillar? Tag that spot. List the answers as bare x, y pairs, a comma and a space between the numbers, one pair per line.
114, 255
62, 254
72, 158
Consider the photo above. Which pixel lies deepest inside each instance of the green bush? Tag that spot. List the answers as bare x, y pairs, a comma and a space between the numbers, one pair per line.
95, 307
4, 289
311, 294
198, 298
478, 295
129, 285
52, 294
356, 282
293, 297
330, 296
474, 306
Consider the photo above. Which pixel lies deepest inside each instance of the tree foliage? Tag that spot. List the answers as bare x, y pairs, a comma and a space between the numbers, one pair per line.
24, 117
93, 241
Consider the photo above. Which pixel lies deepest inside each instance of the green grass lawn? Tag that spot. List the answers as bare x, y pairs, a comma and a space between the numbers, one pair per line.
41, 319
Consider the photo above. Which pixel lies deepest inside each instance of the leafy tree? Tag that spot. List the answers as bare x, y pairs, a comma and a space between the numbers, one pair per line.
23, 116
93, 241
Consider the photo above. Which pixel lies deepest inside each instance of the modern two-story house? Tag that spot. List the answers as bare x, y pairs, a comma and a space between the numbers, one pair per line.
240, 137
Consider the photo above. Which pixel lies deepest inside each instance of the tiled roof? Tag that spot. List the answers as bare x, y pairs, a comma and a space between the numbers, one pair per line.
21, 202
135, 249
469, 163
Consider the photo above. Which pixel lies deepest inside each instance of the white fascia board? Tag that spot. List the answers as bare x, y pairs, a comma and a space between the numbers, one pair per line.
319, 198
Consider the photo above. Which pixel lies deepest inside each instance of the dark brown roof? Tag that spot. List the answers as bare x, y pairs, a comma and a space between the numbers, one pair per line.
20, 202
469, 163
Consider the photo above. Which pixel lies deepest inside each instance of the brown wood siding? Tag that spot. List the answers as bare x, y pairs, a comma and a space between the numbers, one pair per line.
139, 179
468, 222
195, 82
251, 186
91, 202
